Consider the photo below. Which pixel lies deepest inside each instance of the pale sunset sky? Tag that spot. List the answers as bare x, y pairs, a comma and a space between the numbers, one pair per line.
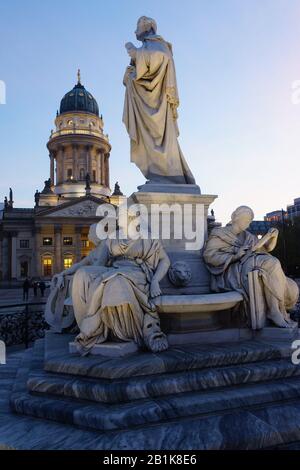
236, 62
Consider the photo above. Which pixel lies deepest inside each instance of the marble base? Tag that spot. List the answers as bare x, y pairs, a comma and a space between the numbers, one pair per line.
108, 349
259, 399
192, 394
233, 335
176, 359
150, 187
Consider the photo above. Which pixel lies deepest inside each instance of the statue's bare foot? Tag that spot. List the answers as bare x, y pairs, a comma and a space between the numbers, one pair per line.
278, 319
159, 342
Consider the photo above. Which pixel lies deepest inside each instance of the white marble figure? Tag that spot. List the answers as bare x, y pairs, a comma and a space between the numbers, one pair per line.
56, 314
150, 108
112, 300
232, 252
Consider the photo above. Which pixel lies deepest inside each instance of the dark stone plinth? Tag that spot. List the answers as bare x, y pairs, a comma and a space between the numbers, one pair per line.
175, 359
217, 393
251, 416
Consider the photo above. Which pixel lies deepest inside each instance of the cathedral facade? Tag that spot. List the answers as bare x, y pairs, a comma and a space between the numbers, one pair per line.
41, 241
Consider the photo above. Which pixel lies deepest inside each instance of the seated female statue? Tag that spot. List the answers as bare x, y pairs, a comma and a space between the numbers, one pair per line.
232, 252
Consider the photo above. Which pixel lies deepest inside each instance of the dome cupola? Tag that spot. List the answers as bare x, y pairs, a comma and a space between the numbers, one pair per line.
79, 100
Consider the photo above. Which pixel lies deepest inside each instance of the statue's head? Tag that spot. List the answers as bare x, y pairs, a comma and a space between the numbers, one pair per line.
241, 218
92, 236
180, 274
145, 26
154, 338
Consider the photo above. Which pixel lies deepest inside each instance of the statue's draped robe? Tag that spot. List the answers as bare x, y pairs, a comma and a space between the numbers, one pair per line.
228, 275
113, 300
150, 114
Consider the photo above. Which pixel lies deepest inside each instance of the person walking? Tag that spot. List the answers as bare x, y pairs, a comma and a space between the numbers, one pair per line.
26, 286
35, 289
42, 288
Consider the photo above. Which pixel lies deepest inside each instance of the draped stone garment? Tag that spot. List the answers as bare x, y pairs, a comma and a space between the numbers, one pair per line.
114, 299
228, 274
150, 113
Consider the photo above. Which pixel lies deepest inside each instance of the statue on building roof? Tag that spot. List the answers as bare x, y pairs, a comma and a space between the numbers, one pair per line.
11, 202
37, 198
47, 188
87, 183
117, 190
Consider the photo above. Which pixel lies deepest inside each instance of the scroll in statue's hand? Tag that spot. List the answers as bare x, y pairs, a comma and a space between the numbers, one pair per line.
154, 289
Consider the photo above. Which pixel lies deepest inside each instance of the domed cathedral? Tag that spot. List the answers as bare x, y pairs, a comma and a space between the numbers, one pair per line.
78, 148
50, 237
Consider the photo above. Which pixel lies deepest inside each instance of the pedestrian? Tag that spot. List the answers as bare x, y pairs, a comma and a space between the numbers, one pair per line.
26, 286
42, 288
35, 289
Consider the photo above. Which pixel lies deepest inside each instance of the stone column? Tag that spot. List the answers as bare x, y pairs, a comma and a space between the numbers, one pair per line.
14, 255
77, 244
75, 162
102, 168
38, 257
89, 160
107, 170
58, 249
5, 256
60, 165
51, 156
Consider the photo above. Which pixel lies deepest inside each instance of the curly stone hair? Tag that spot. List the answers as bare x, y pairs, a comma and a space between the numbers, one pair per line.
148, 23
241, 210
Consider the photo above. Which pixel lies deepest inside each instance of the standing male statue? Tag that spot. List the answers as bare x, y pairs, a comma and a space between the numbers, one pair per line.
150, 108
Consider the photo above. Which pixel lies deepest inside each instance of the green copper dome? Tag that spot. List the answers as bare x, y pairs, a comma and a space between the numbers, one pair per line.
80, 100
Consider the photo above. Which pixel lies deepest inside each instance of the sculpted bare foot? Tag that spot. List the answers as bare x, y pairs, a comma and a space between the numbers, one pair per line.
278, 319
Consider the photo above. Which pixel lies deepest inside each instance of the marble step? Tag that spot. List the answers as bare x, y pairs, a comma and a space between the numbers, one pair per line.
175, 359
137, 388
148, 411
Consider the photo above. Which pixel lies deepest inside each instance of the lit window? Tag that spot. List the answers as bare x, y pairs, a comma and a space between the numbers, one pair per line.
47, 265
85, 243
70, 174
68, 241
47, 241
70, 122
24, 243
68, 261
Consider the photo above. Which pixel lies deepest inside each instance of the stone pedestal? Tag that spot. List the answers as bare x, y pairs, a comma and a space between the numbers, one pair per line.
108, 349
187, 210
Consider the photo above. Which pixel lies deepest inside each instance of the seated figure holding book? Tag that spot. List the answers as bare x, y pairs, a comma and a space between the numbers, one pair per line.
232, 252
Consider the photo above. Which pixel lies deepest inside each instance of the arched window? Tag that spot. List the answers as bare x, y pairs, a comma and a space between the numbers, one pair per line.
68, 261
47, 266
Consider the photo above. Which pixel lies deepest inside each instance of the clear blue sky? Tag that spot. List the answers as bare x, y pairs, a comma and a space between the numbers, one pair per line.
235, 60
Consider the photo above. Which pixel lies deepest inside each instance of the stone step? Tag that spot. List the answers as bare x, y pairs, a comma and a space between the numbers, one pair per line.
137, 388
149, 411
175, 359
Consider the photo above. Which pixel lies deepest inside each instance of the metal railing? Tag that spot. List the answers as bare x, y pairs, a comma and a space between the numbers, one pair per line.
8, 319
